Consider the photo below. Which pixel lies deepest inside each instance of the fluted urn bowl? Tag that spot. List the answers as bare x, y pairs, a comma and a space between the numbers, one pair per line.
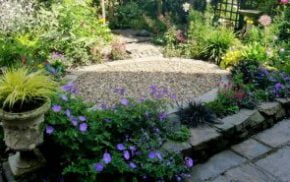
24, 131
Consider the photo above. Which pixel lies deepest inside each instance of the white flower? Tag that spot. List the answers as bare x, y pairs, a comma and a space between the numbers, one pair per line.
186, 7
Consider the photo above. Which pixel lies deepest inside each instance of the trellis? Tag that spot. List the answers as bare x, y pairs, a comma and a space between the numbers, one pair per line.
228, 12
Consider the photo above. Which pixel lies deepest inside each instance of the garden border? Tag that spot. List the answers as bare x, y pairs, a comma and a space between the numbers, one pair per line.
209, 139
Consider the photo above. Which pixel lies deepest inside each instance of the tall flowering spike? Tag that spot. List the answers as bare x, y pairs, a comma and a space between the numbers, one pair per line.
83, 127
56, 108
188, 162
120, 147
126, 154
107, 158
49, 130
124, 101
99, 167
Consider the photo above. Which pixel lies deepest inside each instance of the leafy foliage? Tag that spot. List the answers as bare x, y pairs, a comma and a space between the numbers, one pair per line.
120, 143
196, 114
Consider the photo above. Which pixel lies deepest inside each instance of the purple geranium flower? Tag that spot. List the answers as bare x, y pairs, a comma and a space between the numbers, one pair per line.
133, 148
74, 120
126, 154
121, 147
56, 108
82, 118
152, 155
107, 158
132, 165
64, 97
162, 116
83, 127
70, 87
68, 113
120, 91
49, 130
103, 106
188, 162
99, 167
124, 101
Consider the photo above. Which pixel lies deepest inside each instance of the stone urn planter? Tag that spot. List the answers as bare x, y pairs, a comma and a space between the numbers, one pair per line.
23, 132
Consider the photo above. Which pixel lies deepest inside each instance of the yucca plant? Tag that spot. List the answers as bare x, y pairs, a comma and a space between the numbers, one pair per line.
22, 90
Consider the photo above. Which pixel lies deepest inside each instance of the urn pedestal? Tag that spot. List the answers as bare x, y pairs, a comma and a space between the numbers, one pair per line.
23, 132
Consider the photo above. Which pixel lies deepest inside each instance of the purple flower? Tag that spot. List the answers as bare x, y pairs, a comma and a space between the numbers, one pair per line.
124, 102
178, 178
152, 155
99, 167
103, 106
120, 91
162, 116
83, 127
107, 158
82, 118
64, 97
173, 97
121, 147
51, 69
68, 113
153, 88
133, 148
57, 56
132, 165
74, 120
49, 130
126, 154
159, 156
56, 108
188, 162
70, 87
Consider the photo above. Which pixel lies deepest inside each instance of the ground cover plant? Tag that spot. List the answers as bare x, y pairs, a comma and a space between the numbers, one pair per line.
123, 141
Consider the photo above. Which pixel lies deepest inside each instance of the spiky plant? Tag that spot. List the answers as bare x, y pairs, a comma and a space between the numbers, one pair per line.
195, 114
20, 86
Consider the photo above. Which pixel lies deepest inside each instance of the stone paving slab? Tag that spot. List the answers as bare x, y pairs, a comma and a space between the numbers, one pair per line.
250, 149
246, 173
215, 166
202, 135
278, 164
276, 136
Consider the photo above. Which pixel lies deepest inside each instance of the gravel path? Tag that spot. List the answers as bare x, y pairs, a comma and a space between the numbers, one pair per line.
183, 77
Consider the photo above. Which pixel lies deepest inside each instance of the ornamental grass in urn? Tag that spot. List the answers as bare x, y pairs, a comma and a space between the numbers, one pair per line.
24, 98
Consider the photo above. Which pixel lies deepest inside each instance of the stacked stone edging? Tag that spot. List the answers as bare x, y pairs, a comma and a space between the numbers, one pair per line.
209, 139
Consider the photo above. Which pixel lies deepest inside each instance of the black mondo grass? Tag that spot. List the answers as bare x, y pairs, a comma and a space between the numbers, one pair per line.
195, 114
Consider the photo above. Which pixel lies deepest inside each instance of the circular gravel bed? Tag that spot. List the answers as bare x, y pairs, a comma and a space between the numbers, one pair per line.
183, 78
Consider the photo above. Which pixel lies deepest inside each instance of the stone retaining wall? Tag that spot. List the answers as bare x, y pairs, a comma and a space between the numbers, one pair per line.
207, 140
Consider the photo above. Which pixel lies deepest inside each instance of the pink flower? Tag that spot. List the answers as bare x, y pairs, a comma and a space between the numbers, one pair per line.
265, 20
284, 1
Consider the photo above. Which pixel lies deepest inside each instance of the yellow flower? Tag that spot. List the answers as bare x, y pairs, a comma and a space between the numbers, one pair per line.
102, 20
40, 66
250, 22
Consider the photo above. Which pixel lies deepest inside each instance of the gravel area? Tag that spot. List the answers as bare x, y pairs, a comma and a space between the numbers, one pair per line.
184, 77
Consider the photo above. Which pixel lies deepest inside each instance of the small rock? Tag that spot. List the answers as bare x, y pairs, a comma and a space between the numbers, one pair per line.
200, 136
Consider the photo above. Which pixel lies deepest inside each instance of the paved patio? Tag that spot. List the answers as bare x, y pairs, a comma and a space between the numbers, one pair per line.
262, 158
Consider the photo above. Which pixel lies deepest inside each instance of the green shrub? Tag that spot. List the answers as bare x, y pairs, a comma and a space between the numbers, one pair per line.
231, 58
284, 34
225, 104
255, 51
217, 43
123, 142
